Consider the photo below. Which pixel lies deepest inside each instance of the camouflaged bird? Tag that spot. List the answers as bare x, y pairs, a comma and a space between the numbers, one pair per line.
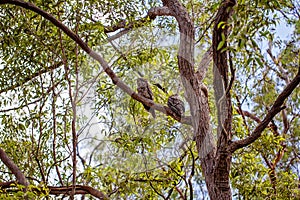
176, 105
144, 89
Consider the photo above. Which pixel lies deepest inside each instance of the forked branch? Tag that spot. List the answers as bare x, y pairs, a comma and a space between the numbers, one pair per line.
275, 109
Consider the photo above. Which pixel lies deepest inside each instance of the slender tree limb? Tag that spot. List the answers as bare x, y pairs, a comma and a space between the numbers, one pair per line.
152, 14
32, 76
232, 78
115, 79
204, 64
240, 111
191, 175
151, 180
54, 130
248, 114
271, 172
182, 196
286, 123
211, 19
20, 106
276, 108
126, 27
283, 74
117, 35
245, 113
272, 166
279, 154
13, 168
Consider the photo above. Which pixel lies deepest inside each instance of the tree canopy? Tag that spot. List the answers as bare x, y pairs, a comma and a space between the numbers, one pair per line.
73, 123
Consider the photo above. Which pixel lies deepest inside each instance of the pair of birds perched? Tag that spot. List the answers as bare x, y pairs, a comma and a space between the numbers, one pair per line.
174, 102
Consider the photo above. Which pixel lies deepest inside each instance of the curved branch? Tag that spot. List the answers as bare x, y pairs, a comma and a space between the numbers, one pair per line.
151, 15
79, 189
115, 79
186, 46
275, 109
62, 190
194, 94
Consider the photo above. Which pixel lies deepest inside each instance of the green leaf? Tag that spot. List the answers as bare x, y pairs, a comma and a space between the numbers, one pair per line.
220, 45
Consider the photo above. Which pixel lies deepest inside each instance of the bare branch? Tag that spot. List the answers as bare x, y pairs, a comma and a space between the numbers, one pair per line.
244, 113
159, 11
276, 108
283, 74
204, 64
79, 189
286, 123
152, 14
7, 184
248, 114
240, 111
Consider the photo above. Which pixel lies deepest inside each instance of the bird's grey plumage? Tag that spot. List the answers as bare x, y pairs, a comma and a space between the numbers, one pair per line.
176, 105
144, 89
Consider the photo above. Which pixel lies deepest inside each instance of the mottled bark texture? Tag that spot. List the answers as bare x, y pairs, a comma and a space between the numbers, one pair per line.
222, 88
215, 160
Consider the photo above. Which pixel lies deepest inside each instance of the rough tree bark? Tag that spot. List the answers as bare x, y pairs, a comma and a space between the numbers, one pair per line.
215, 156
215, 160
222, 87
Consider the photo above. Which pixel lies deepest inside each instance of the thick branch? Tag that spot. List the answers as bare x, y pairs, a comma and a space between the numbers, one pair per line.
276, 108
220, 71
159, 11
186, 46
194, 93
63, 190
115, 79
13, 168
79, 189
220, 33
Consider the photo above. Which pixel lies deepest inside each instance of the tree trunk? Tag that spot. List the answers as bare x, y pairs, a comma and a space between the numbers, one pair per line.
216, 172
215, 158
